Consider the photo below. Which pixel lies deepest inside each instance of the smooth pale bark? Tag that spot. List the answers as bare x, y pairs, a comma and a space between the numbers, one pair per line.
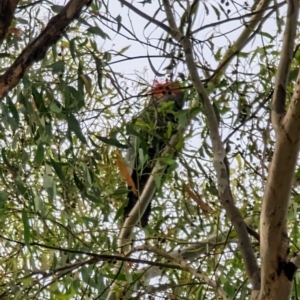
276, 282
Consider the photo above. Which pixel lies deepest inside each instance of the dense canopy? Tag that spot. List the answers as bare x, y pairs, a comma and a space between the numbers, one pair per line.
107, 106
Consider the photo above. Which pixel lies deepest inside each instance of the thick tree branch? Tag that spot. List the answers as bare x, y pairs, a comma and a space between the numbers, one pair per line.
7, 11
286, 57
37, 49
274, 244
219, 154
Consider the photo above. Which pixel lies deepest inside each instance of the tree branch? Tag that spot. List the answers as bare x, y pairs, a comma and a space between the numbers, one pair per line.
286, 57
143, 201
145, 16
189, 253
219, 155
243, 38
37, 49
182, 265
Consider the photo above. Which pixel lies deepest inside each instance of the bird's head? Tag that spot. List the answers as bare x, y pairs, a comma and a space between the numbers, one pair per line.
168, 91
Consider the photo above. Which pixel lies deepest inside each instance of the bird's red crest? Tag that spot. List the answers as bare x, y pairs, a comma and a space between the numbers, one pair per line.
159, 89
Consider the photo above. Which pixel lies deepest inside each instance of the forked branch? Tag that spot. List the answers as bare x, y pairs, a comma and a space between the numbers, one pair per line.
219, 154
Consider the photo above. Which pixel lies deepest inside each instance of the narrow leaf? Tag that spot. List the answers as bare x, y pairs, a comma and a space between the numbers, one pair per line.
38, 100
112, 142
26, 226
39, 156
13, 110
78, 182
98, 31
99, 72
57, 168
75, 127
87, 83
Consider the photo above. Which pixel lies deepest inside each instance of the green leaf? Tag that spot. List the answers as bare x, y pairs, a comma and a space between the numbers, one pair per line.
112, 142
217, 12
57, 8
100, 281
22, 21
229, 289
39, 100
120, 212
37, 202
57, 67
23, 100
26, 226
3, 198
169, 161
99, 72
13, 110
55, 108
72, 48
5, 160
75, 127
119, 192
66, 97
87, 83
87, 175
39, 156
22, 189
58, 170
120, 276
157, 180
93, 199
98, 31
107, 56
119, 22
124, 49
131, 131
83, 21
78, 182
80, 83
86, 276
76, 99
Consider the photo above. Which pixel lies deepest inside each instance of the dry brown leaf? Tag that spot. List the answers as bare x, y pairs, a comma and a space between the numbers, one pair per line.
124, 171
198, 199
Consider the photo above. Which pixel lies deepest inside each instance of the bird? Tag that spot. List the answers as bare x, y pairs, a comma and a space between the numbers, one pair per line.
152, 130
